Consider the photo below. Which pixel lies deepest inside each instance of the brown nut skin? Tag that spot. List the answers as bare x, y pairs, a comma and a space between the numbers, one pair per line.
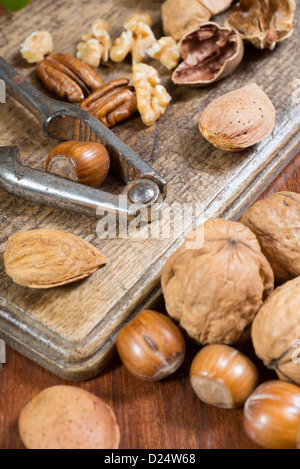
67, 77
151, 346
210, 54
83, 162
272, 415
239, 119
113, 103
276, 331
223, 377
263, 23
216, 282
183, 16
65, 417
276, 223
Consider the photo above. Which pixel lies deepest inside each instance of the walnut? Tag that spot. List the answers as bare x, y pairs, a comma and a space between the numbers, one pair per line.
91, 53
183, 16
152, 97
137, 18
167, 51
276, 223
216, 282
276, 331
36, 46
210, 54
137, 38
263, 23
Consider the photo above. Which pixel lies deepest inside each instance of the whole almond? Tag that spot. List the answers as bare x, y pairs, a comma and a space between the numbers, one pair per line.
50, 258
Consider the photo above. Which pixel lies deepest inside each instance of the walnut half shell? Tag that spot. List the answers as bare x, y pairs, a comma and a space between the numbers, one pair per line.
239, 119
182, 16
210, 54
264, 23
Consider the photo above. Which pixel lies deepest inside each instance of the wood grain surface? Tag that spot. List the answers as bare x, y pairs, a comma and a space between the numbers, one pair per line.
70, 330
165, 415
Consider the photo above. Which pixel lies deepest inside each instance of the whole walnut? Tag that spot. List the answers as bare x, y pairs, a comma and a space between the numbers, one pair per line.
276, 223
183, 16
276, 332
216, 282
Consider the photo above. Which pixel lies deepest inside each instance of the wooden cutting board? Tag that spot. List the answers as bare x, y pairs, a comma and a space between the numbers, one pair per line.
71, 330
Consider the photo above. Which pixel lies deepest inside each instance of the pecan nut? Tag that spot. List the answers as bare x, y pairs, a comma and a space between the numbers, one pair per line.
112, 103
67, 77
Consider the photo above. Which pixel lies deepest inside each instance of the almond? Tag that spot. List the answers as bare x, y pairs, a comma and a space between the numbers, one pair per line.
50, 258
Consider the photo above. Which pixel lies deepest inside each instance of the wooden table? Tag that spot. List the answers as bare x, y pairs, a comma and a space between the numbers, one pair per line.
165, 415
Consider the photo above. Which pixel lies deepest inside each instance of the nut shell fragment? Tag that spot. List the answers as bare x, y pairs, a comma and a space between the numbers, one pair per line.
216, 282
239, 119
183, 16
264, 23
276, 332
276, 223
50, 258
210, 54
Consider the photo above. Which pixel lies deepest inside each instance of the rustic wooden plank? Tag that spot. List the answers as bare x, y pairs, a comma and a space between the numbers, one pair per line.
70, 330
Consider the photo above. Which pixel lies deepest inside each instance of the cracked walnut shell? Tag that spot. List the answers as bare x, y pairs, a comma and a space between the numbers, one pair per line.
152, 98
264, 23
239, 119
276, 223
276, 332
216, 282
210, 54
183, 16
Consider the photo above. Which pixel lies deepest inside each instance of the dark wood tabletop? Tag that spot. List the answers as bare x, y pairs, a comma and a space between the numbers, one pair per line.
165, 415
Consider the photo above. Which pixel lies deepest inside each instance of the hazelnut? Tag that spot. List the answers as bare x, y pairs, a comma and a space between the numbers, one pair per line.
84, 162
223, 377
264, 24
272, 415
210, 54
181, 16
36, 46
216, 282
66, 417
276, 331
276, 223
151, 346
239, 119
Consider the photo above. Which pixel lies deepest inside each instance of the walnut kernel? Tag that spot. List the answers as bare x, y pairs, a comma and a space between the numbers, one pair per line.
167, 51
36, 46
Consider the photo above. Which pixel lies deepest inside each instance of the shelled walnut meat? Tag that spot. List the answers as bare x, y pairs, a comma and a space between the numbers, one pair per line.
167, 51
216, 282
276, 332
210, 54
276, 223
239, 119
264, 23
113, 103
50, 258
95, 45
183, 16
68, 77
136, 39
36, 46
